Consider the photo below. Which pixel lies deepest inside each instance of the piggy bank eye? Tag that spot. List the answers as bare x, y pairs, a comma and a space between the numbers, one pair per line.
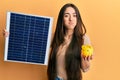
87, 50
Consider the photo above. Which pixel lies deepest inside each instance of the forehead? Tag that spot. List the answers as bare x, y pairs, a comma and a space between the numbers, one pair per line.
70, 10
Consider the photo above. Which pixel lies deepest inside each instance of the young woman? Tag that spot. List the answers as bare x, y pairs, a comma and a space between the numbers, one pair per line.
66, 60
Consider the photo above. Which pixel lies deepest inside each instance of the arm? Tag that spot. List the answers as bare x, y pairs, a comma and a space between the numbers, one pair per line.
86, 60
86, 63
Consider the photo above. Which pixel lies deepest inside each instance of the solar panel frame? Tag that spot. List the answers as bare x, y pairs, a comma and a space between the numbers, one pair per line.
8, 23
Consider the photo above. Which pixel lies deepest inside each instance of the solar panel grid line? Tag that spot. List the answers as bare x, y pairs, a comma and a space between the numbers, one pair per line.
25, 29
28, 40
24, 47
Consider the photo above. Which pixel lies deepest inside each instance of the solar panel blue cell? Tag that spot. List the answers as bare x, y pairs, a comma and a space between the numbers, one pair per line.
29, 39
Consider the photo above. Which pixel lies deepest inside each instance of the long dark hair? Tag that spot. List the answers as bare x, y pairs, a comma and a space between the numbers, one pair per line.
73, 52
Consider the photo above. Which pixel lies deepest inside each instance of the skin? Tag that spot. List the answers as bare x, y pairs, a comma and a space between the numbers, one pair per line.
5, 33
69, 20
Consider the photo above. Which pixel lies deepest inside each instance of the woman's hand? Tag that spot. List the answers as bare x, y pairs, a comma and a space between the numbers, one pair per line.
86, 62
5, 33
87, 58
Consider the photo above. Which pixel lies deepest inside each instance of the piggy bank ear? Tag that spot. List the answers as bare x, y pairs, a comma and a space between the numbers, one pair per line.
83, 46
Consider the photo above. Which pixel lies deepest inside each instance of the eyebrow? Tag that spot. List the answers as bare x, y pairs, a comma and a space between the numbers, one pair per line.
69, 13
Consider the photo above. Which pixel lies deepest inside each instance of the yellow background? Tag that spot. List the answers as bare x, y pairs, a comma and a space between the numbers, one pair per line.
102, 20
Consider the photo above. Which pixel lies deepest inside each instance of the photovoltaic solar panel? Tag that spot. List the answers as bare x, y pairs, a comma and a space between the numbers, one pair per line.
29, 39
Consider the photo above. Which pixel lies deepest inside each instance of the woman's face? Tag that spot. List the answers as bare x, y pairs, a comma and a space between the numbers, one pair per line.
70, 18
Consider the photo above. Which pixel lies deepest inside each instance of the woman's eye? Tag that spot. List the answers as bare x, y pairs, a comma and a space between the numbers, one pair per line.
74, 15
65, 15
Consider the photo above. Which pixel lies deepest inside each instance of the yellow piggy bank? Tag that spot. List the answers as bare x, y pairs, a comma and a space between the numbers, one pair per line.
87, 50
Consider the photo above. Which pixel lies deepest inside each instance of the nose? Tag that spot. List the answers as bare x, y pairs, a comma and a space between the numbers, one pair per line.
70, 18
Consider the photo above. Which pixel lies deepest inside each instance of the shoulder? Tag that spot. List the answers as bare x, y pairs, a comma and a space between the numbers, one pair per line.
86, 39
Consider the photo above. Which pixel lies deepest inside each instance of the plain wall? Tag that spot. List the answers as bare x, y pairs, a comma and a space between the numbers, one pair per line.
102, 20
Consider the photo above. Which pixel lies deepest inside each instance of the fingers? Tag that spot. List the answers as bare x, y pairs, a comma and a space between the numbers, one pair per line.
5, 33
87, 58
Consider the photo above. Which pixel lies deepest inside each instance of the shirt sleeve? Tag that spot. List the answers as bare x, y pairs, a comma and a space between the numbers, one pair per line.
86, 40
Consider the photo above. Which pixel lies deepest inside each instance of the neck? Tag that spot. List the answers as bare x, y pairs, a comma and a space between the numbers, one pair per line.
69, 34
